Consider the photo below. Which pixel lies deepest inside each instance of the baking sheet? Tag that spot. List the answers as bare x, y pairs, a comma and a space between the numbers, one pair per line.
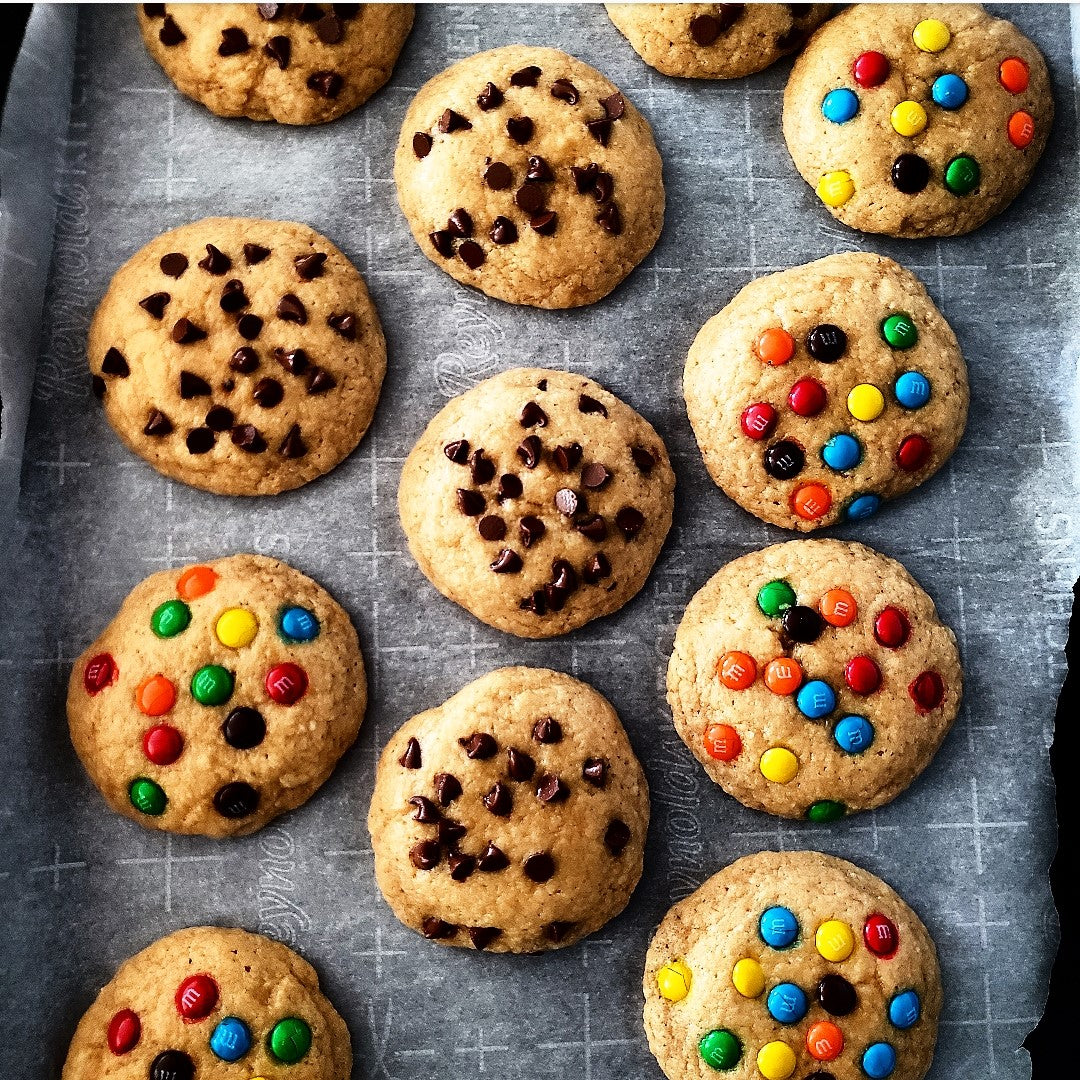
994, 538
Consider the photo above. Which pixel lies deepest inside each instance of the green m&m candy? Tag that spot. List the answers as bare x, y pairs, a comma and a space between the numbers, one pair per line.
900, 331
170, 618
962, 175
720, 1049
211, 685
289, 1040
147, 797
775, 597
825, 810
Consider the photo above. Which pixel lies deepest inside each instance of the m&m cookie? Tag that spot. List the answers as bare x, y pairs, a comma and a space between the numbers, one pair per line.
917, 119
792, 966
813, 679
822, 391
512, 817
220, 696
211, 1002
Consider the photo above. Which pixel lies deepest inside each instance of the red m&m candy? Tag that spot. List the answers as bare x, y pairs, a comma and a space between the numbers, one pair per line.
196, 997
286, 683
881, 936
124, 1031
807, 397
870, 69
722, 742
862, 675
758, 420
101, 671
927, 690
163, 744
891, 628
913, 453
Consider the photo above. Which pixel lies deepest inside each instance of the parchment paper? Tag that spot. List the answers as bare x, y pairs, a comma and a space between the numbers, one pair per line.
993, 538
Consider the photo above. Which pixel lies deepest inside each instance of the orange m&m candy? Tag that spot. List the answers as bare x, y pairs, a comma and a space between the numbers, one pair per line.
1013, 74
811, 501
824, 1041
838, 607
737, 670
195, 581
783, 675
774, 346
1021, 129
722, 742
155, 695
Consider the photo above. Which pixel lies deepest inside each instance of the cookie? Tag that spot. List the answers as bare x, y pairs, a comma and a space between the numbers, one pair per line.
792, 964
813, 678
820, 392
715, 41
538, 501
220, 696
239, 356
511, 818
917, 119
210, 1002
527, 173
293, 63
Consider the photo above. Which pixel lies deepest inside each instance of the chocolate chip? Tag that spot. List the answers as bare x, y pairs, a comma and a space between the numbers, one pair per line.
157, 423
219, 418
457, 452
532, 415
567, 501
97, 384
233, 298
461, 866
539, 867
346, 11
442, 242
498, 176
470, 503
155, 303
531, 529
610, 220
427, 813
595, 569
482, 936
433, 928
172, 1065
538, 171
279, 49
563, 575
588, 404
491, 97
614, 106
617, 836
510, 487
520, 129
170, 33
530, 451
826, 343
507, 562
784, 460
492, 860
527, 76
248, 438
594, 771
791, 38
269, 12
492, 527
519, 765
595, 475
425, 855
319, 381
245, 360
244, 728
530, 198
249, 327
344, 324
184, 332
174, 264
308, 13
629, 522
192, 385
460, 223
268, 393
294, 361
330, 29
216, 262
447, 786
585, 176
498, 800
154, 11
544, 222
503, 231
326, 83
564, 90
593, 528
557, 931
552, 790
481, 467
600, 129
836, 995
704, 29
233, 41
293, 446
604, 187
802, 624
309, 267
534, 602
547, 730
451, 121
567, 457
910, 173
643, 459
291, 309
479, 746
255, 253
114, 363
554, 598
200, 440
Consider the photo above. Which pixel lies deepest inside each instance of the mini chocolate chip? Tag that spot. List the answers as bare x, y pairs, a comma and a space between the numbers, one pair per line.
530, 198
520, 129
291, 309
532, 415
228, 385
269, 12
604, 187
219, 418
293, 446
594, 771
442, 242
482, 936
507, 562
249, 327
461, 866
457, 451
567, 501
519, 765
551, 789
326, 83
791, 38
617, 836
233, 298
248, 439
216, 262
567, 457
451, 832
236, 800
498, 176
451, 121
614, 106
595, 475
544, 222
154, 11
564, 90
492, 527
593, 528
255, 253
200, 440
319, 381
629, 522
530, 451
588, 404
460, 223
510, 487
491, 97
268, 393
425, 855
482, 468
503, 231
563, 575
447, 786
784, 460
643, 459
539, 867
491, 860
527, 76
600, 129
170, 33
547, 730
432, 928
157, 423
538, 171
470, 503
427, 813
310, 266
344, 324
330, 29
498, 800
114, 363
704, 29
233, 41
595, 569
557, 931
245, 360
174, 264
155, 303
185, 332
479, 746
97, 384
192, 385
279, 49
610, 220
531, 529
294, 361
585, 176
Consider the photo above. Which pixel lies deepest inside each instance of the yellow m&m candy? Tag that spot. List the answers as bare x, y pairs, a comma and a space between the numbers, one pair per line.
236, 628
673, 981
865, 402
931, 35
835, 188
835, 940
779, 764
908, 118
748, 978
776, 1061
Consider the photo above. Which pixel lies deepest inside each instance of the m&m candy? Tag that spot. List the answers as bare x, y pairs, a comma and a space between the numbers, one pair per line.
807, 397
172, 1065
910, 174
824, 811
722, 742
853, 734
891, 628
839, 106
865, 402
900, 331
123, 1032
779, 765
243, 728
811, 501
905, 1009
842, 452
878, 1061
748, 978
196, 997
880, 936
231, 1039
774, 598
170, 618
870, 69
778, 927
838, 607
776, 1061
912, 390
720, 1049
835, 188
862, 675
863, 506
1014, 74
826, 342
802, 624
195, 581
834, 940
286, 683
290, 1040
927, 690
816, 699
962, 175
836, 995
147, 797
737, 670
163, 744
236, 800
100, 671
786, 1003
758, 420
908, 118
1021, 129
155, 695
212, 685
774, 346
673, 981
913, 453
298, 624
824, 1041
931, 35
784, 460
783, 675
949, 91
236, 628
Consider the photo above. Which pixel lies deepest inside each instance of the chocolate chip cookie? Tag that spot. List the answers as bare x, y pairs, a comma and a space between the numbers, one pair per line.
813, 678
239, 356
220, 696
918, 119
715, 41
793, 964
538, 501
512, 817
210, 1002
293, 63
820, 392
526, 173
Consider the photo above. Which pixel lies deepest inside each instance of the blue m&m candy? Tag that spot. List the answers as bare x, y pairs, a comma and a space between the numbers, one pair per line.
840, 106
231, 1039
912, 390
842, 452
299, 624
879, 1061
786, 1003
815, 699
905, 1010
779, 927
854, 734
949, 91
863, 506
